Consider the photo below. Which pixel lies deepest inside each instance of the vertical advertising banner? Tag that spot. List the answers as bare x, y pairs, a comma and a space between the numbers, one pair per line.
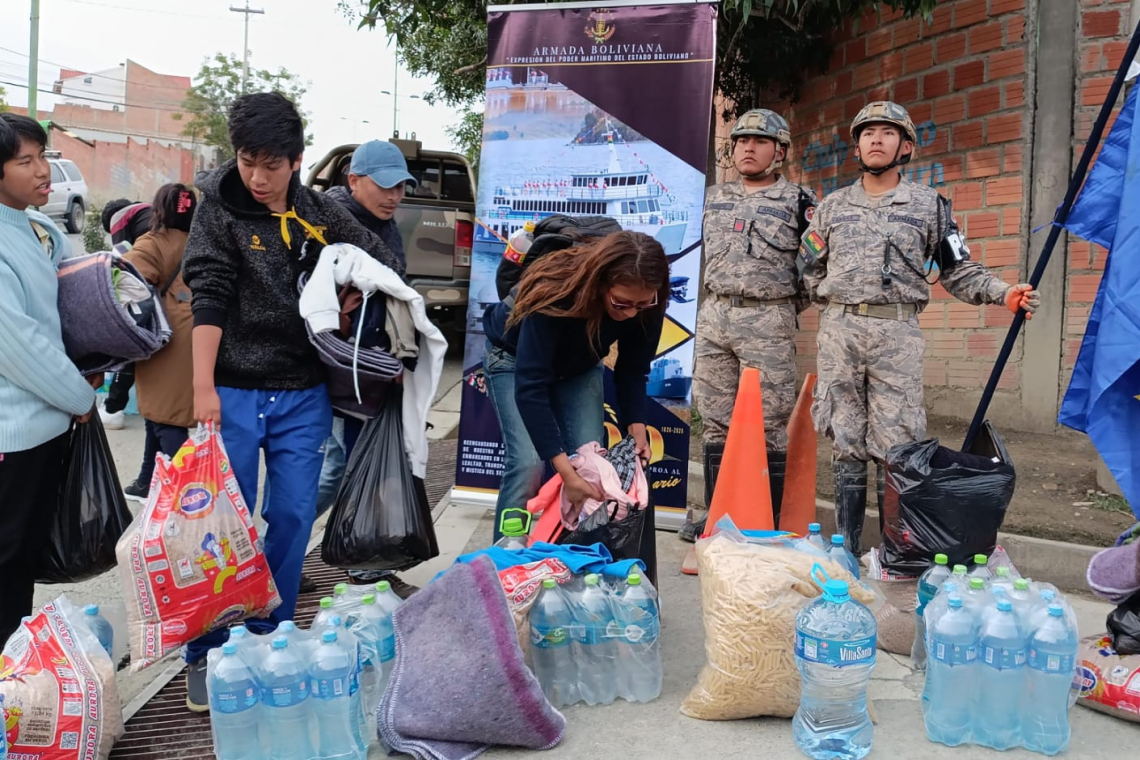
600, 109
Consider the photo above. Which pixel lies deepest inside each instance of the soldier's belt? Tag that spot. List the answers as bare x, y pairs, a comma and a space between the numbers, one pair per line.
900, 311
746, 301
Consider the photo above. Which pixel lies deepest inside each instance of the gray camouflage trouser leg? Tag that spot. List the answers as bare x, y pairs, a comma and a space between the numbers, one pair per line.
732, 337
870, 393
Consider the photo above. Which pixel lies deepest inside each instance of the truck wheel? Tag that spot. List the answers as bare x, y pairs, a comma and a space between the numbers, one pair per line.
75, 218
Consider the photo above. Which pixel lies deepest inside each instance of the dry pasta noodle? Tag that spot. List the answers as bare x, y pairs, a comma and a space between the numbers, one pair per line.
749, 598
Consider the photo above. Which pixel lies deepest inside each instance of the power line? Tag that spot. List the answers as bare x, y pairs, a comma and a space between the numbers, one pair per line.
90, 74
24, 85
136, 9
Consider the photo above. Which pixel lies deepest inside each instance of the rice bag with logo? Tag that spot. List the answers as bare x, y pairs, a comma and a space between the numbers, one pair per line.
191, 561
57, 689
1109, 682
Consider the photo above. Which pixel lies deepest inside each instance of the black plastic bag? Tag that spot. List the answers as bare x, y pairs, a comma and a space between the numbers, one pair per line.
1124, 626
91, 512
941, 501
381, 519
632, 537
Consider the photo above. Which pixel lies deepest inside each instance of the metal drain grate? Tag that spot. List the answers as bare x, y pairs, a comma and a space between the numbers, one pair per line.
164, 729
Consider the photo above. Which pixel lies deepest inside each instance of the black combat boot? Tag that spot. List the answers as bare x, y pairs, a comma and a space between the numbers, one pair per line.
850, 502
777, 471
881, 492
692, 530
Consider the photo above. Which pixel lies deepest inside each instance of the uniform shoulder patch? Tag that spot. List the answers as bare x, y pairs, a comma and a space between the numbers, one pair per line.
847, 218
814, 241
772, 211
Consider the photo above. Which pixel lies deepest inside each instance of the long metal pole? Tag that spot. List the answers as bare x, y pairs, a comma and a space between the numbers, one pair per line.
34, 62
396, 101
1055, 232
245, 48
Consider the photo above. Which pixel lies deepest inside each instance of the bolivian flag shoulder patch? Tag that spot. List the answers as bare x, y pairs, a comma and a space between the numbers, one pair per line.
811, 247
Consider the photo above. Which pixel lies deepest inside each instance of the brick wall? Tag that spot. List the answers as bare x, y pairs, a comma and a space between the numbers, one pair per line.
1103, 30
132, 169
153, 103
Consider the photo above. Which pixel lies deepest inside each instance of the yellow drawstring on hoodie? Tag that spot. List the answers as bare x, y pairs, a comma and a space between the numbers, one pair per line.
292, 214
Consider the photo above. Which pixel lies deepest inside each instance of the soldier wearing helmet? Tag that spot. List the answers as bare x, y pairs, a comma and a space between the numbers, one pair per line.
752, 228
872, 252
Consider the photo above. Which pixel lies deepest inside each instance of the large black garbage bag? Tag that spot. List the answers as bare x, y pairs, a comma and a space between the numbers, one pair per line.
91, 513
941, 501
381, 519
633, 537
1124, 626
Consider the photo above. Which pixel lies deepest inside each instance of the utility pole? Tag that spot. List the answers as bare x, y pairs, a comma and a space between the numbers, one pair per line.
396, 102
245, 50
34, 62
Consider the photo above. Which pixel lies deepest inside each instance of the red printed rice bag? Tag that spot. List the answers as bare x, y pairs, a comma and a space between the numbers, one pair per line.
58, 687
1109, 682
191, 562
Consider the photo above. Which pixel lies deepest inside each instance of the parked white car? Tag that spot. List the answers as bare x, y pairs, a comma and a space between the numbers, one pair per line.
68, 199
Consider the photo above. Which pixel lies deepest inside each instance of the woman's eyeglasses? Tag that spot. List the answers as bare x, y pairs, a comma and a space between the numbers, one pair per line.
620, 306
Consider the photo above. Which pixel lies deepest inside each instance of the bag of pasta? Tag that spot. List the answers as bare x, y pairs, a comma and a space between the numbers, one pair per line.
750, 594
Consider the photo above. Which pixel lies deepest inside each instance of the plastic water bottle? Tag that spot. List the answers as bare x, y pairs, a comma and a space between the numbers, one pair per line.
514, 536
520, 244
1002, 642
981, 568
951, 674
551, 622
594, 651
378, 644
344, 604
815, 538
285, 694
928, 586
976, 598
1002, 579
1052, 655
235, 707
324, 614
835, 653
100, 627
387, 599
838, 553
3, 734
336, 700
1022, 598
638, 619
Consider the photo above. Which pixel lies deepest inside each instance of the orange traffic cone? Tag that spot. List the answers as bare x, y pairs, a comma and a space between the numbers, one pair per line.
742, 488
798, 507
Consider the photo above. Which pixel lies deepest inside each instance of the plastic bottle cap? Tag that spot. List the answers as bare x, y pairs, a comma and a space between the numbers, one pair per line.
1004, 605
340, 589
977, 583
529, 226
634, 579
955, 602
980, 559
287, 626
229, 648
837, 540
328, 637
592, 579
280, 642
1048, 594
1002, 572
941, 559
383, 587
950, 586
1056, 610
239, 631
91, 609
959, 570
368, 599
549, 583
1021, 584
836, 590
513, 526
335, 621
326, 602
814, 528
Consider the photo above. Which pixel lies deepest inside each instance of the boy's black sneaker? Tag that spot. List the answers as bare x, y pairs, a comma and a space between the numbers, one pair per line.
196, 698
137, 491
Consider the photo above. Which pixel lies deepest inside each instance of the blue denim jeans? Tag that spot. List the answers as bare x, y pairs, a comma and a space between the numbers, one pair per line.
578, 404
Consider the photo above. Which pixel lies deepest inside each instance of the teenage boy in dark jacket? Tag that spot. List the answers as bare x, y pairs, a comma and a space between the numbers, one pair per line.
256, 375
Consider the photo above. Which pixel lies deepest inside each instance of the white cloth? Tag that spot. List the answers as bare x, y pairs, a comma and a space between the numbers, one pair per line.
343, 264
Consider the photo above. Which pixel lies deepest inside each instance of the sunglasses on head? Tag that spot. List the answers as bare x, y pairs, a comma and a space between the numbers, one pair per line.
620, 306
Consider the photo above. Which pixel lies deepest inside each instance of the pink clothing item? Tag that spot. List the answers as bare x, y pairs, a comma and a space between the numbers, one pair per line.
591, 464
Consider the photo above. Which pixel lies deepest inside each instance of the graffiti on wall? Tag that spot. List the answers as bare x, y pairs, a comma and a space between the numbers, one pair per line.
837, 152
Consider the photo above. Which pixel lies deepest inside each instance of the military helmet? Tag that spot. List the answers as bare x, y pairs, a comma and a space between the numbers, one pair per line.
884, 112
761, 122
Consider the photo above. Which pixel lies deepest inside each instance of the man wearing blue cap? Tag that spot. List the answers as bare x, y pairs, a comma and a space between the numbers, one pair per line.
378, 178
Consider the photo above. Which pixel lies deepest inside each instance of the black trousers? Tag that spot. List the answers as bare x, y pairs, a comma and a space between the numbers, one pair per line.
29, 490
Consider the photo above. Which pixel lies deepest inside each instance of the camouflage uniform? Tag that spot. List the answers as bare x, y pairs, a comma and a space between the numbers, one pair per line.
748, 317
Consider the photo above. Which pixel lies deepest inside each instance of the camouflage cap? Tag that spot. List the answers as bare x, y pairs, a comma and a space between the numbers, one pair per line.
884, 112
763, 123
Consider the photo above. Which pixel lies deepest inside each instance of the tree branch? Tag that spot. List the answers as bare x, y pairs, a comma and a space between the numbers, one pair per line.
472, 67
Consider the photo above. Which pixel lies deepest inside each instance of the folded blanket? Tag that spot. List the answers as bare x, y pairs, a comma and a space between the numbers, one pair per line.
459, 684
108, 313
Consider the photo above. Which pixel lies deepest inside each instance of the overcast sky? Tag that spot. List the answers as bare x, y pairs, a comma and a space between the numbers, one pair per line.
345, 69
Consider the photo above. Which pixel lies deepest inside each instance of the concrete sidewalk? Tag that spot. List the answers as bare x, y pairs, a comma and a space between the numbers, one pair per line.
658, 730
